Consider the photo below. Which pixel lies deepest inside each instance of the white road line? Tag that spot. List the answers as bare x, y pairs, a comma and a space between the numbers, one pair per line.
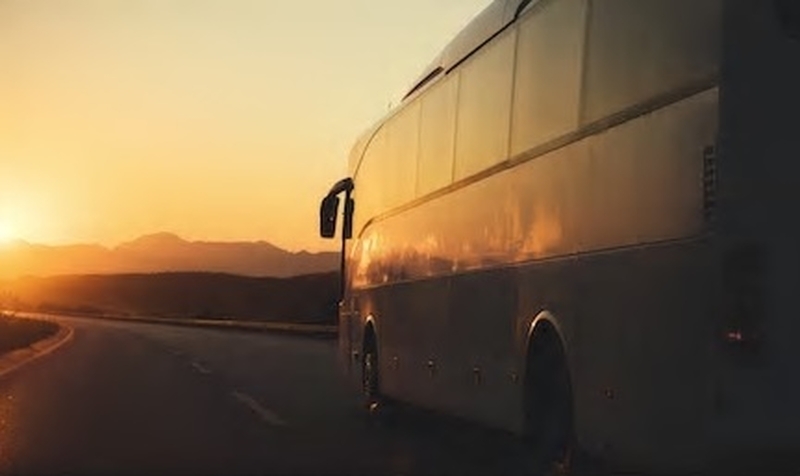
200, 368
265, 414
53, 347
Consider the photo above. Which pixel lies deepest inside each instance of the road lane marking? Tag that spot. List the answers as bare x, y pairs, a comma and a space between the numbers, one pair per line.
268, 416
200, 368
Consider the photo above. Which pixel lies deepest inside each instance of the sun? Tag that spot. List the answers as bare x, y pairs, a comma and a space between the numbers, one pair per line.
7, 232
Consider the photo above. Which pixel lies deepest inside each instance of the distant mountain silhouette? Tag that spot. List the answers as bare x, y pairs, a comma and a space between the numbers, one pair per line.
158, 253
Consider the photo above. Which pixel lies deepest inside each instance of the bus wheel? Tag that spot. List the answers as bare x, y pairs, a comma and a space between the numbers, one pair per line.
548, 404
370, 375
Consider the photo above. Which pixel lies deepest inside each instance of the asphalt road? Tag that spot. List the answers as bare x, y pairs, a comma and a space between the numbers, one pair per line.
132, 398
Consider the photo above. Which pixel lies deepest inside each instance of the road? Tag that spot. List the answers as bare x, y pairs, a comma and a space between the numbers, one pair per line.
133, 398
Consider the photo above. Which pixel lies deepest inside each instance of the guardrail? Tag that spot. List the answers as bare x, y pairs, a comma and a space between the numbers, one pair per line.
315, 330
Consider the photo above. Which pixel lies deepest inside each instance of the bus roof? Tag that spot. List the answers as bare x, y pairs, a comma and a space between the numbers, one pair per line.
496, 16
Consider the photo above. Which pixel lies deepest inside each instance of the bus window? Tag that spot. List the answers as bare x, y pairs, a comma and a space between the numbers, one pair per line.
400, 161
789, 15
368, 193
437, 136
547, 83
484, 107
639, 49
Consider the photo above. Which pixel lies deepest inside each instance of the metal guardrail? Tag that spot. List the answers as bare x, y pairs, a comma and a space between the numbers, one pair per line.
318, 330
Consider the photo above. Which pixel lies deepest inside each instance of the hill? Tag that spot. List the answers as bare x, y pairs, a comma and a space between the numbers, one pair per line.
309, 298
161, 252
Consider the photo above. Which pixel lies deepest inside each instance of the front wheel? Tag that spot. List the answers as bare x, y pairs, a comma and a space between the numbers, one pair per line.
370, 378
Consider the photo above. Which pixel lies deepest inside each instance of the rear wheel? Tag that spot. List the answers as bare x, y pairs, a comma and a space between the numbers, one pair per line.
548, 404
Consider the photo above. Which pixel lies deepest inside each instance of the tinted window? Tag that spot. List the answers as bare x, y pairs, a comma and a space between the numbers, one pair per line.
484, 107
641, 48
387, 175
400, 163
437, 136
548, 75
368, 191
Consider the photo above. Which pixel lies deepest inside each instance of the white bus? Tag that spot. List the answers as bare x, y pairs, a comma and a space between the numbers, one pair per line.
580, 225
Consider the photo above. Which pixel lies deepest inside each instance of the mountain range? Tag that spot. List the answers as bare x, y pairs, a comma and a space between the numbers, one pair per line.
159, 253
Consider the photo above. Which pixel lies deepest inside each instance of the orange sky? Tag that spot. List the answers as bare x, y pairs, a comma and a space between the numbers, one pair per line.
212, 119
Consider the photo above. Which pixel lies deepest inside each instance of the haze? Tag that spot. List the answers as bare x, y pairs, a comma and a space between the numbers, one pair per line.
218, 120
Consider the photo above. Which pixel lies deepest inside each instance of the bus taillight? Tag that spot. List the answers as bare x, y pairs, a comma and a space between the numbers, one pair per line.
743, 271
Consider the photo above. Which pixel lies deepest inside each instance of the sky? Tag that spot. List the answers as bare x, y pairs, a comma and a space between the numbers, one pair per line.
219, 120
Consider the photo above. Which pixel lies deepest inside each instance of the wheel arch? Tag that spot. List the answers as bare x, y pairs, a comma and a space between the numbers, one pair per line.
545, 330
545, 325
544, 320
369, 332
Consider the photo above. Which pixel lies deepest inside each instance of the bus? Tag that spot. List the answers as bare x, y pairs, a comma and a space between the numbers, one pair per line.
577, 226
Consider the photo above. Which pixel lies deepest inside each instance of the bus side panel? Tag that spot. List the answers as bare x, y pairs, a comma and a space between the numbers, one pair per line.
637, 333
639, 338
480, 376
759, 188
443, 279
407, 319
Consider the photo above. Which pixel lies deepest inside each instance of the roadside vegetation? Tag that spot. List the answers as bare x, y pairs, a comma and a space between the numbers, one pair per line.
17, 333
307, 299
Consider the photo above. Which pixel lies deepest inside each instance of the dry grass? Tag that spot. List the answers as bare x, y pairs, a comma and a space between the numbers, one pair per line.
16, 333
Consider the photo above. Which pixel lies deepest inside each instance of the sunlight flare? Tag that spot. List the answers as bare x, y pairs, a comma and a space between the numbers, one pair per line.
7, 231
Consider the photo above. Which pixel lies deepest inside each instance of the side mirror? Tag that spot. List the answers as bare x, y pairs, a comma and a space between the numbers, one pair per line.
327, 216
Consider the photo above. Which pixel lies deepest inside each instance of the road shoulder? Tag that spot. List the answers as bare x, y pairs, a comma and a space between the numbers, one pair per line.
15, 359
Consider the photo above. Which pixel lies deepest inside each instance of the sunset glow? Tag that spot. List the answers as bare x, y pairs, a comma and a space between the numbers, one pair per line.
7, 232
220, 120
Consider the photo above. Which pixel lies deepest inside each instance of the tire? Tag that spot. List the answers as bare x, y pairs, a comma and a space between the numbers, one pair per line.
548, 405
370, 375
